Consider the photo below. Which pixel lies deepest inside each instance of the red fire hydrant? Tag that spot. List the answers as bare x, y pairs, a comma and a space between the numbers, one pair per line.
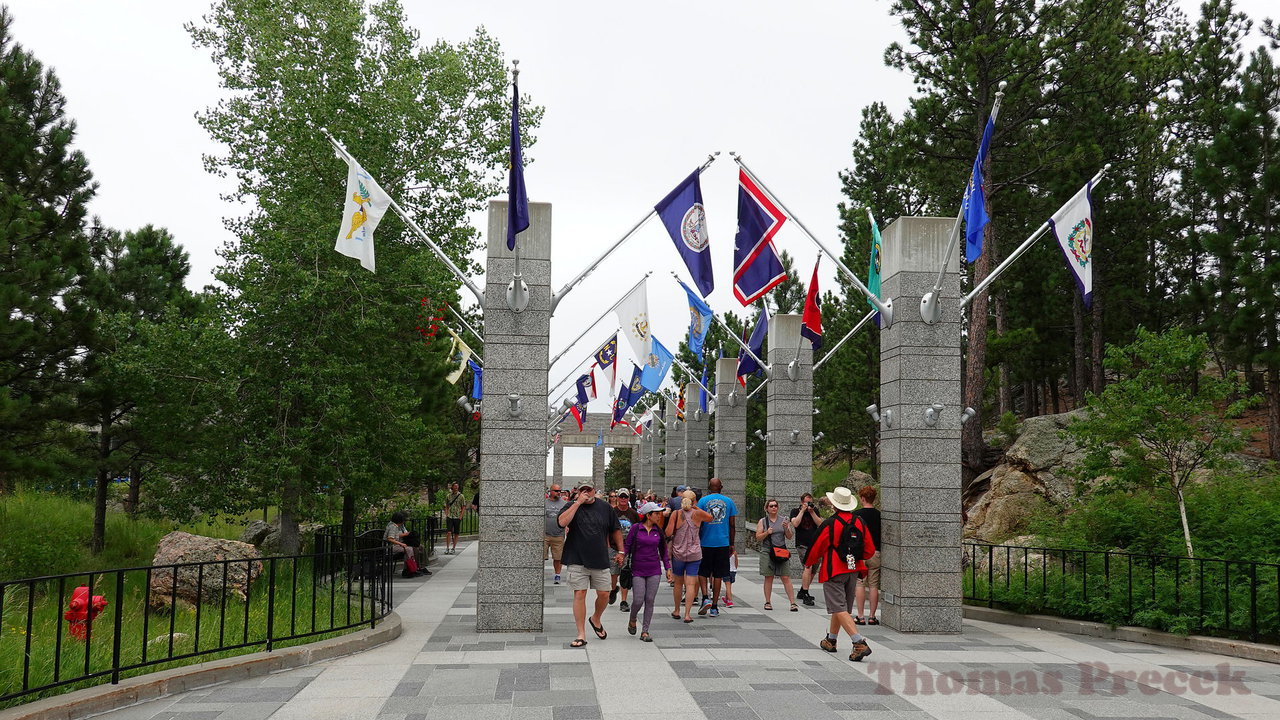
82, 610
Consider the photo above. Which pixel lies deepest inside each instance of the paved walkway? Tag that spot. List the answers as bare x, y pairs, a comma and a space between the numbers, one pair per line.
747, 664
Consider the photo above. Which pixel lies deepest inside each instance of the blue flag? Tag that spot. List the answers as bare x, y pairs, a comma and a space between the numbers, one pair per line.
975, 199
517, 197
747, 364
686, 221
586, 388
700, 316
628, 396
477, 380
656, 366
702, 391
601, 440
756, 267
873, 268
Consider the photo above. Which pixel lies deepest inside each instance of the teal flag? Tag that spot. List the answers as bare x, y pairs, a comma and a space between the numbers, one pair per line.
873, 271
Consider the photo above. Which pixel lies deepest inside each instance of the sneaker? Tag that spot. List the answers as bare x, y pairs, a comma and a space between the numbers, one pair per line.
860, 650
623, 606
827, 644
715, 611
808, 601
557, 579
728, 603
706, 607
424, 571
801, 594
613, 596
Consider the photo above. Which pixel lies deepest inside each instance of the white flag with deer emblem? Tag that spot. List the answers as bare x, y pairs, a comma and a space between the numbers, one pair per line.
366, 203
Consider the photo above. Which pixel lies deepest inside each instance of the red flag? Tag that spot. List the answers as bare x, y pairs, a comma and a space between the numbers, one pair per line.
811, 321
579, 412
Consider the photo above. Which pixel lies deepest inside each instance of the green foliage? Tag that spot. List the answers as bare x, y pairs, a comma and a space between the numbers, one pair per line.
825, 479
1008, 428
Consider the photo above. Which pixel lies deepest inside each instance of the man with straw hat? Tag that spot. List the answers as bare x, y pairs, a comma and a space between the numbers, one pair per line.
841, 546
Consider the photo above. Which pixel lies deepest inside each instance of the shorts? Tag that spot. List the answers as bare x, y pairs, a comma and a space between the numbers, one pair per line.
838, 593
802, 552
553, 546
585, 578
733, 577
774, 568
453, 525
685, 568
715, 562
872, 580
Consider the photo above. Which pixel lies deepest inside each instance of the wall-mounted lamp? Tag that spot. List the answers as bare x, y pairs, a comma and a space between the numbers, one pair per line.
932, 414
733, 398
733, 447
697, 452
568, 403
793, 370
795, 436
818, 437
967, 415
697, 415
515, 408
750, 446
874, 411
764, 437
815, 411
462, 403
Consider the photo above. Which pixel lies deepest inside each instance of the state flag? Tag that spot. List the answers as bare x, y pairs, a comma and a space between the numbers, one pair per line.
811, 321
1072, 225
873, 267
607, 360
700, 317
656, 366
587, 387
975, 198
683, 215
747, 364
365, 205
628, 396
517, 196
459, 353
633, 315
756, 267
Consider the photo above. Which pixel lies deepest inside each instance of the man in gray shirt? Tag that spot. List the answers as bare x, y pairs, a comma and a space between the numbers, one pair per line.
553, 541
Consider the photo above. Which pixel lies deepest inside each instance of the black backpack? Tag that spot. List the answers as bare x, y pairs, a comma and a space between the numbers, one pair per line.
850, 544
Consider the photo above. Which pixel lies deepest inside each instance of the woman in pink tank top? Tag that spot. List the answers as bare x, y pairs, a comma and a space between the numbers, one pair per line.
686, 552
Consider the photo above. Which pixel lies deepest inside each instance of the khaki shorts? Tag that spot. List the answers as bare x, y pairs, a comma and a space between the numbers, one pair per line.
774, 568
872, 580
552, 546
838, 593
585, 578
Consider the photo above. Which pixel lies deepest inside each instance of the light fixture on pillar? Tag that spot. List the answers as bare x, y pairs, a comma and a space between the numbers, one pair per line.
874, 411
514, 410
932, 414
462, 403
697, 415
818, 437
793, 370
967, 415
750, 446
795, 436
733, 398
733, 446
764, 437
568, 403
697, 452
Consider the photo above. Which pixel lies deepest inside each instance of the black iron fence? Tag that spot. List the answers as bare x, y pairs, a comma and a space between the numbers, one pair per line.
1228, 598
87, 628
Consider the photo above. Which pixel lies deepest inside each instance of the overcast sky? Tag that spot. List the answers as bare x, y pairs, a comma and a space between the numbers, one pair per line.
634, 102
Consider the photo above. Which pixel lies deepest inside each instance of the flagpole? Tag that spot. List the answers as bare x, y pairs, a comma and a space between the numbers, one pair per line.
413, 225
597, 320
865, 319
685, 368
465, 324
474, 355
1026, 245
884, 306
517, 290
767, 368
930, 311
555, 299
575, 369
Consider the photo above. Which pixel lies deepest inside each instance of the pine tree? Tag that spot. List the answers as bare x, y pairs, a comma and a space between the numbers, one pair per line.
44, 187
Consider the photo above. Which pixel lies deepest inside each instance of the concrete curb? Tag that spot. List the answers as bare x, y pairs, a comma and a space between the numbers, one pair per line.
1199, 643
104, 698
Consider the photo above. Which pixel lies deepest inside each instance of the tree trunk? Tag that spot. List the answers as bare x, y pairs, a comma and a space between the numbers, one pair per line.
289, 506
1005, 393
98, 540
135, 489
1053, 393
1186, 529
1079, 377
971, 445
1097, 379
1273, 412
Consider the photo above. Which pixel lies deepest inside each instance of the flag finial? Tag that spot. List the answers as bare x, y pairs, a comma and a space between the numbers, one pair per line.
515, 71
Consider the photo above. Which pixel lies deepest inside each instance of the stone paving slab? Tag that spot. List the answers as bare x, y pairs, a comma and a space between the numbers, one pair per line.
748, 664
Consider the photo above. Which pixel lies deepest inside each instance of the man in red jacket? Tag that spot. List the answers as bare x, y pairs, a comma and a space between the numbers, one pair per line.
838, 579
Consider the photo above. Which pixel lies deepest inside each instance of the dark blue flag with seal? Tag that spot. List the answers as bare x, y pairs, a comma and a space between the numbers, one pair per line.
686, 221
975, 199
517, 197
747, 364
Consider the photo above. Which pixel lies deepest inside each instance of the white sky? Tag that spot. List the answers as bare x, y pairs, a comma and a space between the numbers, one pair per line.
634, 102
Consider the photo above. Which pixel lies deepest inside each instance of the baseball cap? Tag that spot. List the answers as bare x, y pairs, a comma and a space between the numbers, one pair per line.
623, 493
588, 484
649, 507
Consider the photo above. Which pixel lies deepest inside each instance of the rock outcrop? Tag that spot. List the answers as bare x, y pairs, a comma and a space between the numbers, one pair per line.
190, 583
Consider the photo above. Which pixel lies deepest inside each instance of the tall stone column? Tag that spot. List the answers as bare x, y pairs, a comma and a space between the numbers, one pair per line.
920, 458
695, 438
731, 441
597, 465
513, 450
635, 479
557, 464
674, 448
789, 456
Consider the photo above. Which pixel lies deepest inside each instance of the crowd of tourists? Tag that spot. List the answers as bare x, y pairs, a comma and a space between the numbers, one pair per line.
623, 545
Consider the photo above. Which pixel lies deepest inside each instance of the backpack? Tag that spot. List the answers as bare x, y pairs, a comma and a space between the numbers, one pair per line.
850, 544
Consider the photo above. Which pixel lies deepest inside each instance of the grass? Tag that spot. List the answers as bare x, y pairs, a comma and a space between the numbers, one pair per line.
305, 607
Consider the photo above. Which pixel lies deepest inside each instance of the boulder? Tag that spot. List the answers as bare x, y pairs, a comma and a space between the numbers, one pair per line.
191, 583
255, 533
1045, 450
1014, 496
856, 480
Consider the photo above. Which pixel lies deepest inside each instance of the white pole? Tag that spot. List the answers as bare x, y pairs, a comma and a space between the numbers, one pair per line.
597, 320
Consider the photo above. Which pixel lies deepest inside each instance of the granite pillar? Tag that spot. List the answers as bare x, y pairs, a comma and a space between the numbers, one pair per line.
597, 465
789, 455
731, 441
634, 478
557, 464
696, 426
513, 460
674, 448
920, 457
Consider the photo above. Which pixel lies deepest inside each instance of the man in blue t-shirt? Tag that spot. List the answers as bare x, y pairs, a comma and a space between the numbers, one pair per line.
717, 539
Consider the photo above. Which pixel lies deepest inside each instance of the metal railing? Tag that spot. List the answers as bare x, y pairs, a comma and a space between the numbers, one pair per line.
167, 614
1228, 598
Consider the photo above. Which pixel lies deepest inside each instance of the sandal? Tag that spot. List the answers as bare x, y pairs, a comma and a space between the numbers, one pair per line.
646, 637
631, 628
873, 621
598, 629
795, 608
578, 643
857, 619
768, 606
675, 616
688, 620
